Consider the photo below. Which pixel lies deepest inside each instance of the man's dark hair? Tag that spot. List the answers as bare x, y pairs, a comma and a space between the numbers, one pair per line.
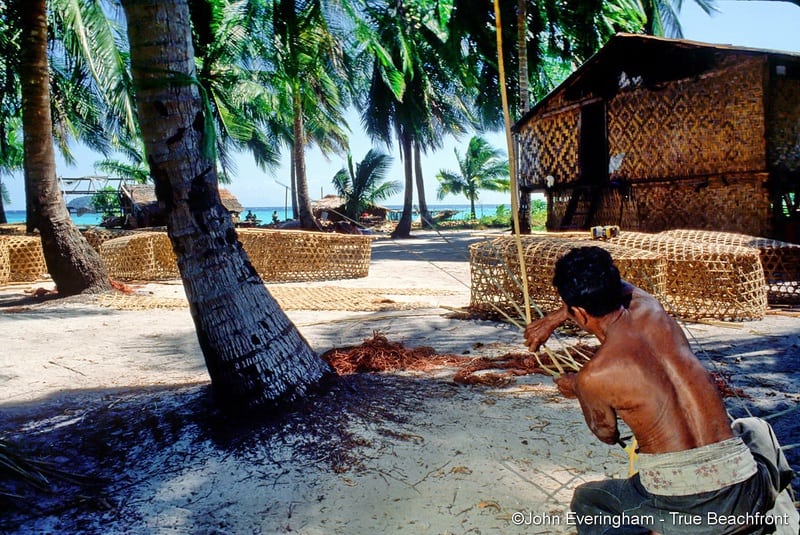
587, 277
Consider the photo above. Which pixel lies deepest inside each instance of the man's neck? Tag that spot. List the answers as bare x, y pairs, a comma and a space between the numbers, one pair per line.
604, 323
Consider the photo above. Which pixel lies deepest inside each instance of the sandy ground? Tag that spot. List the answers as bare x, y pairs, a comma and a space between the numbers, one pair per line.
121, 397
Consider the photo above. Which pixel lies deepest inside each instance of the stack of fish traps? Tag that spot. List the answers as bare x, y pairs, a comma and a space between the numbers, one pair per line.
496, 288
24, 258
298, 256
780, 260
706, 280
140, 256
97, 236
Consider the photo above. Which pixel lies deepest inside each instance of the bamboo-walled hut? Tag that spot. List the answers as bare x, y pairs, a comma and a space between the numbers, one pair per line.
652, 134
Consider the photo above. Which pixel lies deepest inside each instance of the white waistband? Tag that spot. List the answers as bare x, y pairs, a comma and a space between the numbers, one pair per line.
697, 470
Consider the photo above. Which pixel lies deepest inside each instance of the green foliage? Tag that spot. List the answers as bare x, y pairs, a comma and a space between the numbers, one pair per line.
538, 214
501, 217
481, 167
106, 202
4, 193
363, 185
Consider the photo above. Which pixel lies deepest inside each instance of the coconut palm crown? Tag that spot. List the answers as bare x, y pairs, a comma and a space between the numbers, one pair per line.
365, 184
482, 167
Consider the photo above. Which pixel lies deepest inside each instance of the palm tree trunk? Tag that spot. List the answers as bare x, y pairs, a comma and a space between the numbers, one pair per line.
3, 219
522, 53
403, 228
293, 192
307, 220
425, 215
255, 356
72, 263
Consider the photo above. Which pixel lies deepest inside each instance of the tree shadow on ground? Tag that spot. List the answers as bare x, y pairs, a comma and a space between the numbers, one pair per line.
116, 440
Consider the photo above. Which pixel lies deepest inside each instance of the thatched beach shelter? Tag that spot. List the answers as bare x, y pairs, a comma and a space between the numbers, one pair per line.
140, 206
331, 208
652, 134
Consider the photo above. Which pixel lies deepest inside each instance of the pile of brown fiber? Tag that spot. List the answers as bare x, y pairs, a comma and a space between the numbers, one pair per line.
378, 354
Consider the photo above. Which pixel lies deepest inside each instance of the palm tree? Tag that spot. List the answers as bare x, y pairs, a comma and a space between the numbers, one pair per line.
307, 57
11, 153
87, 99
426, 103
482, 167
11, 156
365, 184
230, 48
73, 264
255, 356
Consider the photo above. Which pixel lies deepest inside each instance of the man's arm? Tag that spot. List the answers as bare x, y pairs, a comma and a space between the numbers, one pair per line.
599, 415
537, 332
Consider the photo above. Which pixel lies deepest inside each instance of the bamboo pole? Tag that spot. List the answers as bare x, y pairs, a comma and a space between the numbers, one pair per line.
512, 163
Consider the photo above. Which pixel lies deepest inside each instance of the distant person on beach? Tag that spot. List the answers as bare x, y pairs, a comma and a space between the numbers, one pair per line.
697, 473
275, 217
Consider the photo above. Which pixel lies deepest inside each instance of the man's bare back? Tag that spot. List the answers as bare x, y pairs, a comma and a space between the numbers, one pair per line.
645, 373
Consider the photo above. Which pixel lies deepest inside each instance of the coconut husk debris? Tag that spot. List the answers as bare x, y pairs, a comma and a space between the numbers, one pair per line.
379, 354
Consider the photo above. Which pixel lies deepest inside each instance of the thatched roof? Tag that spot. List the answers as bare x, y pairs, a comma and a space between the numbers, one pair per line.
140, 194
328, 202
334, 205
230, 202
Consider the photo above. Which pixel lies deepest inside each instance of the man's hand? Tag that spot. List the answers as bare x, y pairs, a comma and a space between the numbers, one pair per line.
566, 384
537, 332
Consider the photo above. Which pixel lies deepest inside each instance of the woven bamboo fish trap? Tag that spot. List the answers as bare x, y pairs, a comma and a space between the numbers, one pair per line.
780, 260
143, 256
706, 280
25, 258
97, 236
496, 287
296, 256
5, 262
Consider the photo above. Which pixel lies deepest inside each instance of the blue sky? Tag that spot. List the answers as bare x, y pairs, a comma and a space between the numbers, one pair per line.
752, 23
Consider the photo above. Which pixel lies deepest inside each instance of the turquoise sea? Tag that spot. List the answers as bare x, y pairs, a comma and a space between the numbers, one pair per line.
264, 213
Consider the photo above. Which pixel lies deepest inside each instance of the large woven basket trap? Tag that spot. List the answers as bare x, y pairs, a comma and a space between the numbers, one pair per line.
25, 258
780, 260
140, 256
97, 236
706, 280
496, 288
295, 256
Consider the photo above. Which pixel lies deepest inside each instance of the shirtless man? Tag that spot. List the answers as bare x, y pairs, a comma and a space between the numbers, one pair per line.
692, 466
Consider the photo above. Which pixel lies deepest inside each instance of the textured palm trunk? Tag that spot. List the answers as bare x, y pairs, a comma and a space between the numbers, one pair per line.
72, 263
424, 213
403, 228
307, 220
522, 50
255, 356
293, 188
